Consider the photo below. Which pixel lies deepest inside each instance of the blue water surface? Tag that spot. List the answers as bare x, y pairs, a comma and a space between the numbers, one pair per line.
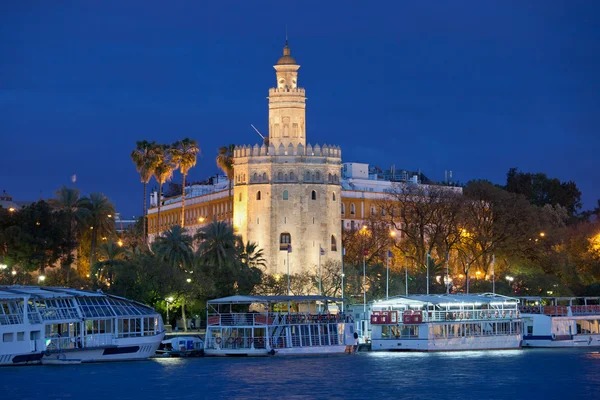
519, 374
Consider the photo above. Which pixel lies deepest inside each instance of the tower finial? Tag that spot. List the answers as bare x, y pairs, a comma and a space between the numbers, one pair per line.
286, 35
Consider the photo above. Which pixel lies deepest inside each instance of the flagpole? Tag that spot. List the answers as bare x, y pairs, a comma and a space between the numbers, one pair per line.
343, 254
320, 279
288, 269
365, 281
493, 274
428, 272
387, 276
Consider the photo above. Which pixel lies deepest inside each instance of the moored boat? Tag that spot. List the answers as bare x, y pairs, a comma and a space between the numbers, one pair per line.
51, 323
445, 323
181, 346
561, 322
276, 325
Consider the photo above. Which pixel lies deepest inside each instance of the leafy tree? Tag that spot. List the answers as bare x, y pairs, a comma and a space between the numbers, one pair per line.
33, 239
184, 153
541, 190
145, 160
111, 258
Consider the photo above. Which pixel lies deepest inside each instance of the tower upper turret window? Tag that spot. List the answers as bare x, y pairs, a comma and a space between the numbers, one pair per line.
285, 195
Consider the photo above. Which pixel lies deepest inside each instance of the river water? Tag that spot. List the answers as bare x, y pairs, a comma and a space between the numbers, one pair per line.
518, 374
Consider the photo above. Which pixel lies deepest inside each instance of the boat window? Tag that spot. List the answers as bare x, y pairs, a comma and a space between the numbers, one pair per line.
7, 337
20, 336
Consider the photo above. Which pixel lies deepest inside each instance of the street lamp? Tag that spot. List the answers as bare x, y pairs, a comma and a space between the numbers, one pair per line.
168, 300
3, 266
41, 278
510, 279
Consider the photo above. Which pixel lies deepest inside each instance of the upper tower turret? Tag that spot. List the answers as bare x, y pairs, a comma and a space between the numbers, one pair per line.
287, 104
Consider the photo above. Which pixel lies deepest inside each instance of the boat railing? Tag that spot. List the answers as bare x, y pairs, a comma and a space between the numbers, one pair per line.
275, 342
62, 343
585, 310
420, 316
11, 319
258, 319
98, 340
236, 343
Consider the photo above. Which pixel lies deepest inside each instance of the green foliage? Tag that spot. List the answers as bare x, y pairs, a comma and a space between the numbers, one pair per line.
541, 190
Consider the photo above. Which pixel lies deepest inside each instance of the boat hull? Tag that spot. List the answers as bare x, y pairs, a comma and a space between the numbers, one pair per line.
560, 342
125, 349
508, 342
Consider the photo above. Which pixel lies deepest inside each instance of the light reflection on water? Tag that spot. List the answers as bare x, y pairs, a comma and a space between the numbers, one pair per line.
528, 374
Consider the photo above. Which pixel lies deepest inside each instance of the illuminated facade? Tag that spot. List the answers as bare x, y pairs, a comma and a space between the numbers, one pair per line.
286, 193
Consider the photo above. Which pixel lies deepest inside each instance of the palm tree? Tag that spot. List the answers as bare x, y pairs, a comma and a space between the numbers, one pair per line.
68, 203
111, 255
225, 162
174, 247
145, 160
99, 212
251, 256
218, 244
163, 171
184, 153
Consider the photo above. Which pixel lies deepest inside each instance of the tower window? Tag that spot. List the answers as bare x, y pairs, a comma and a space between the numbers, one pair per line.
258, 195
318, 176
240, 197
333, 243
373, 211
313, 196
255, 177
333, 196
285, 240
343, 209
285, 195
352, 209
280, 176
264, 176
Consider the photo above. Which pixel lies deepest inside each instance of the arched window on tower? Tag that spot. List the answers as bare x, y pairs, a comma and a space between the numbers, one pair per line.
255, 177
333, 243
313, 195
373, 211
258, 195
285, 195
240, 197
333, 196
307, 176
264, 176
343, 209
292, 177
317, 176
280, 176
285, 240
352, 209
330, 178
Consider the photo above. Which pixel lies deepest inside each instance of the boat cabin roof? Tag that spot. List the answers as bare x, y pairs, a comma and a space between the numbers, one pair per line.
446, 300
273, 299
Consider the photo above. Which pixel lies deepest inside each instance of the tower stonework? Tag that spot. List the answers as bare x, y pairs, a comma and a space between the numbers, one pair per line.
287, 104
289, 192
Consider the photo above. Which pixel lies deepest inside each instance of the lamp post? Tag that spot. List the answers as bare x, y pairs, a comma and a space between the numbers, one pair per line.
428, 258
168, 300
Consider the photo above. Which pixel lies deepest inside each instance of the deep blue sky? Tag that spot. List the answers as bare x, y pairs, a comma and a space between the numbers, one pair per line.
475, 87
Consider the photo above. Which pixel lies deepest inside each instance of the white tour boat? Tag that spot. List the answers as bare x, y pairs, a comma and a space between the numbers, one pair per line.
561, 322
445, 323
276, 325
42, 324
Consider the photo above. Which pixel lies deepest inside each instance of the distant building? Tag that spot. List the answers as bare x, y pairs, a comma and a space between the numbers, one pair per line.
287, 194
7, 202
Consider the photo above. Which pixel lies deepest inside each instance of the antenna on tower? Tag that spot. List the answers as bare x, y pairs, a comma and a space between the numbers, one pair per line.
259, 134
286, 36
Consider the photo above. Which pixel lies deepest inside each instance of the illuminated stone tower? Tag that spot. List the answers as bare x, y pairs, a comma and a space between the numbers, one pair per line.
288, 193
287, 104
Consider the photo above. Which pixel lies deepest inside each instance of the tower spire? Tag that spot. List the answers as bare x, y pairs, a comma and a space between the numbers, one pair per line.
286, 35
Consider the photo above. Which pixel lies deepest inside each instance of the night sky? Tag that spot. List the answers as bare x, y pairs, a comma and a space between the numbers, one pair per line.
476, 87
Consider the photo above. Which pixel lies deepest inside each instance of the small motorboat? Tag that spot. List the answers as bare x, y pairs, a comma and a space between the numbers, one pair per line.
181, 346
